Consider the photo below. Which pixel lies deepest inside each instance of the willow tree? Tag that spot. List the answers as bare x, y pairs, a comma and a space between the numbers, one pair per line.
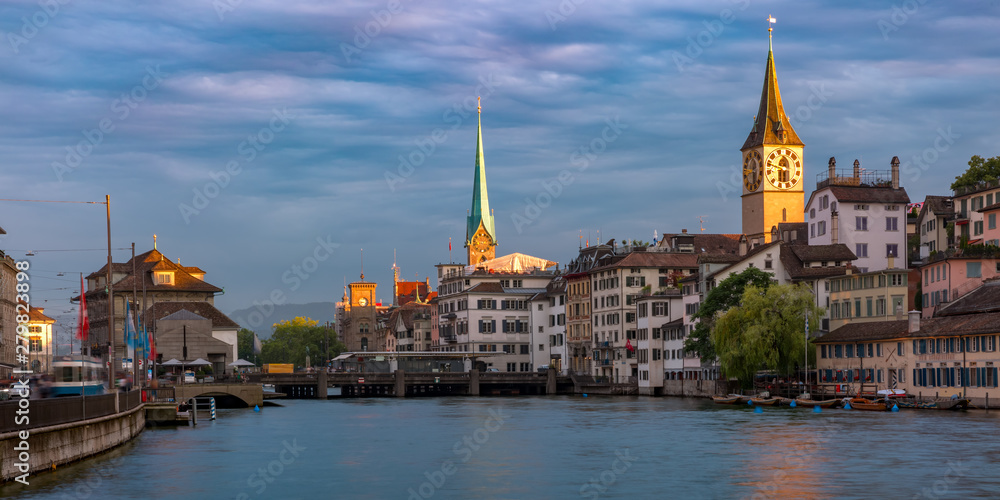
720, 299
766, 331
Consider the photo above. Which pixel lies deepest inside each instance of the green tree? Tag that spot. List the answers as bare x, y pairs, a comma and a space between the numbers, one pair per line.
765, 332
244, 344
980, 169
724, 296
293, 340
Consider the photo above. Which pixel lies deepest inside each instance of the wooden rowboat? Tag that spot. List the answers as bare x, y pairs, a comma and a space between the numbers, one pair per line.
867, 404
810, 403
731, 399
765, 401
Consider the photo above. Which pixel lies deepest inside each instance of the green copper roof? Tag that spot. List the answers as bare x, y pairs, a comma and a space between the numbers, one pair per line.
771, 118
480, 199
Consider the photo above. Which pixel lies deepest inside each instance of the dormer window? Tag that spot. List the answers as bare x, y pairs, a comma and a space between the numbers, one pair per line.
164, 278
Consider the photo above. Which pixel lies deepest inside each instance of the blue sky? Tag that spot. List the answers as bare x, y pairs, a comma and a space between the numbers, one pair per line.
641, 106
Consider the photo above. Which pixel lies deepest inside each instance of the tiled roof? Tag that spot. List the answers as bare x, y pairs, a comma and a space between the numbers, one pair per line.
151, 261
817, 253
36, 315
800, 230
161, 310
990, 208
856, 332
654, 259
491, 287
711, 243
986, 298
861, 194
940, 205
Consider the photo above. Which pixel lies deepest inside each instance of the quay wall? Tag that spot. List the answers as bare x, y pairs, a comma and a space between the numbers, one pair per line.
60, 444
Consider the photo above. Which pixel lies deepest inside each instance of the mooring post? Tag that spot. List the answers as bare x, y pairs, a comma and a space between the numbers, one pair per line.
550, 381
473, 382
400, 384
321, 384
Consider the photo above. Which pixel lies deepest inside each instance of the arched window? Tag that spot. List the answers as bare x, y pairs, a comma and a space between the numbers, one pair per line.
784, 215
364, 343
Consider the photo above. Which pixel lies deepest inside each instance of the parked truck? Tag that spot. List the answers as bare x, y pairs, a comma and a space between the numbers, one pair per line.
279, 368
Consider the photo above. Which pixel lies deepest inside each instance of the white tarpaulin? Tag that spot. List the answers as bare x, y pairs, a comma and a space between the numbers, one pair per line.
512, 263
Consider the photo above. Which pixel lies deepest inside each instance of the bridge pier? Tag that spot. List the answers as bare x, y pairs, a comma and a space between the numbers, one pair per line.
473, 382
550, 381
400, 384
321, 384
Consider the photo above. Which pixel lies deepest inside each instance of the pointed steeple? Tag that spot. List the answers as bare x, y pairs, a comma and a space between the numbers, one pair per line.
771, 125
480, 200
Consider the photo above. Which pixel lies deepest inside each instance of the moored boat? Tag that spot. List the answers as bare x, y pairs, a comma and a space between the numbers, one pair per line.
938, 404
726, 400
810, 403
765, 401
867, 404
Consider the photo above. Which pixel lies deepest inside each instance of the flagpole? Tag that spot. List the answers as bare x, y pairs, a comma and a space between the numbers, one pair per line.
79, 326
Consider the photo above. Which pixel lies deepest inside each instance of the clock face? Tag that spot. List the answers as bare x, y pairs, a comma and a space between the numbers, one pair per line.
752, 171
783, 168
481, 242
363, 302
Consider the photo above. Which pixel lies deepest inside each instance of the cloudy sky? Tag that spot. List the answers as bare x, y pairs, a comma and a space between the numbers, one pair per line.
245, 133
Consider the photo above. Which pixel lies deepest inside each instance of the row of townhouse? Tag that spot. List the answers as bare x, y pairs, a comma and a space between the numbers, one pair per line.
952, 354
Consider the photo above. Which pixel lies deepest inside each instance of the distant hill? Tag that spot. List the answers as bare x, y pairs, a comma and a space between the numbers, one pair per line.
252, 318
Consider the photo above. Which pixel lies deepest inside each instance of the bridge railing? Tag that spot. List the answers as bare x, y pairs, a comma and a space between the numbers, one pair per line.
159, 395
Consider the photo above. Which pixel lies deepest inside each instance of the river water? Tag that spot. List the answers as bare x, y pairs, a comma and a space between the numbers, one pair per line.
544, 447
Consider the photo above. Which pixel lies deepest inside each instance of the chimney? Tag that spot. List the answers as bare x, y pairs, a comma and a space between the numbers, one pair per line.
895, 172
914, 321
743, 247
832, 169
834, 228
857, 170
892, 262
684, 231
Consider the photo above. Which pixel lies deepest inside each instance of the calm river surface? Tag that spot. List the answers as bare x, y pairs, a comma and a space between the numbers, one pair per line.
545, 447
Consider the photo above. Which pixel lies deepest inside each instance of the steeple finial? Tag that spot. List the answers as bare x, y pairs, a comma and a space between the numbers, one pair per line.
362, 264
154, 242
770, 28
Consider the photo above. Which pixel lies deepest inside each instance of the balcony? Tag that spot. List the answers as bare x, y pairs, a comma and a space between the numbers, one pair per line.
866, 178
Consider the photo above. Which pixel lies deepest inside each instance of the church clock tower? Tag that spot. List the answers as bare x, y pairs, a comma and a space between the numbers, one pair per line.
480, 234
772, 164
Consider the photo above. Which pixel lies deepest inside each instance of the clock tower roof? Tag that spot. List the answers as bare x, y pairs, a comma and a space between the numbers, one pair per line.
480, 199
771, 125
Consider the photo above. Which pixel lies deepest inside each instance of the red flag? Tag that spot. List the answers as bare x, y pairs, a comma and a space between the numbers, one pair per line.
152, 346
628, 345
82, 322
449, 244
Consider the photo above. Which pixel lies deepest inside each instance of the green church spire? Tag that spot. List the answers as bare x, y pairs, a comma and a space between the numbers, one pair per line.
480, 199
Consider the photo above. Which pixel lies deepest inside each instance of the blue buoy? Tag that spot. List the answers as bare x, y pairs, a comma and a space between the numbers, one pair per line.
256, 408
749, 403
792, 404
584, 395
817, 409
758, 409
847, 406
895, 407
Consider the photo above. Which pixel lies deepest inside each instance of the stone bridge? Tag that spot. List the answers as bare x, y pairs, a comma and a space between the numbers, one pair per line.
226, 395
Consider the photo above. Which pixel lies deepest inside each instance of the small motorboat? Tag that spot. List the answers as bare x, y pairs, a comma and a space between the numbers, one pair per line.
937, 404
765, 401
